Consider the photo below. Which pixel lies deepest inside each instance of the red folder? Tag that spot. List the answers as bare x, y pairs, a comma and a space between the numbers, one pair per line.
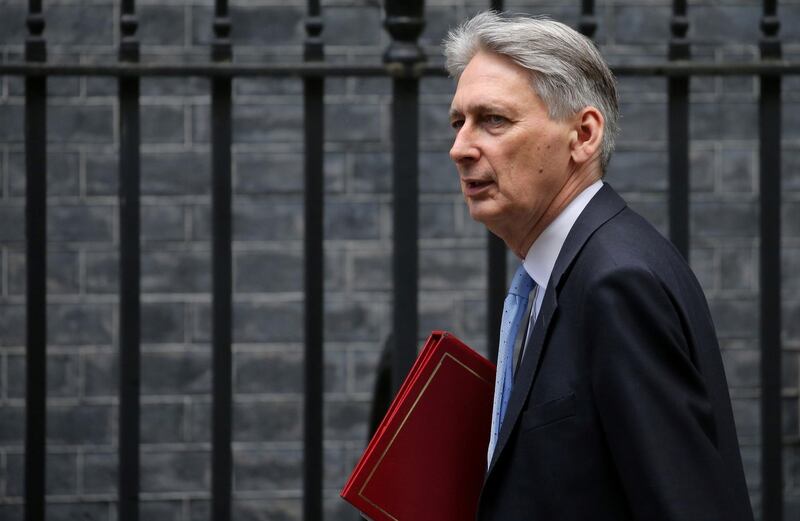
427, 459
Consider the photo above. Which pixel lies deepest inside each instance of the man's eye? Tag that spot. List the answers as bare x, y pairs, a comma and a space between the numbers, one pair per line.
495, 120
457, 123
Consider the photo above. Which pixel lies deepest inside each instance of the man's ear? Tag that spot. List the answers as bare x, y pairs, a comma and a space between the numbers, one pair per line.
586, 137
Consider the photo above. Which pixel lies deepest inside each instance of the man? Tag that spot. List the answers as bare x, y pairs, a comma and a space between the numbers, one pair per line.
619, 408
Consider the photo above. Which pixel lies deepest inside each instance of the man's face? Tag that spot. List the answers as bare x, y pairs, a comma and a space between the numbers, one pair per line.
512, 159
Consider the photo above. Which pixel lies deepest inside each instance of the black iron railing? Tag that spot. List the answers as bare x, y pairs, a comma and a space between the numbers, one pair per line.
405, 63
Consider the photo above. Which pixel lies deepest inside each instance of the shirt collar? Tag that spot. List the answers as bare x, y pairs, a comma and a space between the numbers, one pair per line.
544, 251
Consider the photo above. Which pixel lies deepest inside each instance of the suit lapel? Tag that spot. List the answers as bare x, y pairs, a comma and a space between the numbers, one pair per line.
603, 206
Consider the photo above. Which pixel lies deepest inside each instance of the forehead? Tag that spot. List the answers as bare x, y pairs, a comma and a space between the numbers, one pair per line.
490, 79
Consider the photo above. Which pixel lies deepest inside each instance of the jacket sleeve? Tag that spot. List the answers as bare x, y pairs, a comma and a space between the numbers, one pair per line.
652, 400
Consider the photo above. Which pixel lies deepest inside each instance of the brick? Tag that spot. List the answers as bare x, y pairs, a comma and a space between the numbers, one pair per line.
434, 123
61, 474
13, 30
199, 421
163, 223
12, 426
268, 219
702, 261
267, 510
262, 124
13, 219
267, 470
450, 269
738, 269
791, 328
742, 367
162, 124
270, 173
66, 24
746, 416
12, 325
160, 87
268, 271
790, 169
80, 425
161, 510
176, 471
161, 25
163, 322
268, 322
438, 22
437, 220
702, 163
267, 421
353, 122
12, 123
352, 26
73, 324
63, 375
285, 25
381, 86
435, 314
635, 25
11, 512
790, 120
101, 374
334, 371
372, 173
102, 175
80, 124
642, 122
271, 86
374, 270
355, 320
82, 223
267, 372
723, 120
639, 170
334, 270
179, 173
350, 220
790, 370
790, 219
346, 420
735, 317
102, 272
100, 474
84, 511
728, 219
62, 174
738, 172
176, 272
162, 423
61, 273
437, 173
723, 24
188, 372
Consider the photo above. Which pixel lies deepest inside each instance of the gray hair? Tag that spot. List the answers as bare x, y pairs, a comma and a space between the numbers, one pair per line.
568, 72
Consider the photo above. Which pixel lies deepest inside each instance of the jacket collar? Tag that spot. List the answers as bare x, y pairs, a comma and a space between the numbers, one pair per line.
603, 206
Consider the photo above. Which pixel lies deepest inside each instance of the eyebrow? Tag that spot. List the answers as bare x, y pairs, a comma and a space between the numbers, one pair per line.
479, 109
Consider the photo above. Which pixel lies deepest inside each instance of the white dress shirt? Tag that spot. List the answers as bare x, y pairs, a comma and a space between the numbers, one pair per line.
544, 251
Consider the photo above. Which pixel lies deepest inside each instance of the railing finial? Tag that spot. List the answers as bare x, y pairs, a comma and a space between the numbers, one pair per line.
405, 21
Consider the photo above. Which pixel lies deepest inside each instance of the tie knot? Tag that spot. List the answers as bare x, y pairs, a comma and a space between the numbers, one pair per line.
522, 283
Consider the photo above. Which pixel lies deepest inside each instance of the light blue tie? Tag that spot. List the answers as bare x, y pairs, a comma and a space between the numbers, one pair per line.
513, 308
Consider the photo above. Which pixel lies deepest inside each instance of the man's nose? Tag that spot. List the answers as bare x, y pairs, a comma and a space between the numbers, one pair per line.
464, 148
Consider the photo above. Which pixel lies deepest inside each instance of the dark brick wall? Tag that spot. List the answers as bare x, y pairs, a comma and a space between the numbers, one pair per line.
268, 229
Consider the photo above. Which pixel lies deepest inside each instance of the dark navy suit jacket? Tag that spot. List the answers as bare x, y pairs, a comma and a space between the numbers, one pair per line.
620, 408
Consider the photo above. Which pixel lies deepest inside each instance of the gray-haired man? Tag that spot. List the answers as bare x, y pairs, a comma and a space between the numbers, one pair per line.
619, 408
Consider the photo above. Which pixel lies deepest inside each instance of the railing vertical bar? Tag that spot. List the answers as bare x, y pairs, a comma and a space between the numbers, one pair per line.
770, 270
678, 133
314, 112
588, 21
129, 310
497, 273
36, 258
222, 269
404, 22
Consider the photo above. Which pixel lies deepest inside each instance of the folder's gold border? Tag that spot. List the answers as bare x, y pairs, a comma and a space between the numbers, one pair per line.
402, 424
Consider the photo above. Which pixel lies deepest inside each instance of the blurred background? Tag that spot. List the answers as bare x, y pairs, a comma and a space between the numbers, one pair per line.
86, 131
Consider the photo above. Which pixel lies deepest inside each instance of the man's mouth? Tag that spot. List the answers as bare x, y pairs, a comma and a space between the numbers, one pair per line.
476, 187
